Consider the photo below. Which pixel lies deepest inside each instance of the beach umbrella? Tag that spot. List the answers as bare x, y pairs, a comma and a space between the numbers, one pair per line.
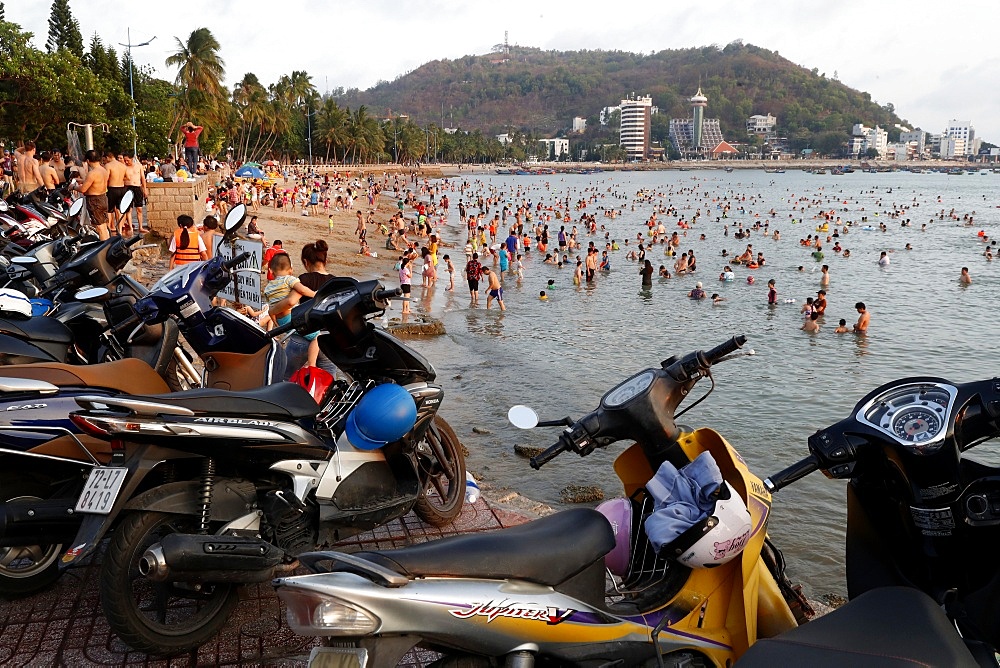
271, 163
251, 172
250, 164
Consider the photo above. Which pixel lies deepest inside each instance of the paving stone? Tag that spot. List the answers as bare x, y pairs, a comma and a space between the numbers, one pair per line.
65, 626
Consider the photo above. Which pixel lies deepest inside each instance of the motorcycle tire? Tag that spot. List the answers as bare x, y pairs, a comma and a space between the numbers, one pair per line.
25, 570
442, 484
158, 618
175, 378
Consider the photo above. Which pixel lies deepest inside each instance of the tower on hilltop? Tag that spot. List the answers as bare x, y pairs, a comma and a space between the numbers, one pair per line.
698, 104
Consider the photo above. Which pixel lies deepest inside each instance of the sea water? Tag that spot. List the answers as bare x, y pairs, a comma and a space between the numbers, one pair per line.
560, 355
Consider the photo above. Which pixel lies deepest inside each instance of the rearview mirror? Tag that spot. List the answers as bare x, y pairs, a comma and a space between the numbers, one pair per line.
234, 219
126, 202
92, 295
522, 417
76, 207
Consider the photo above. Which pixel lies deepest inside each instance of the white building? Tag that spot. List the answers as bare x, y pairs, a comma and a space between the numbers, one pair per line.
505, 138
554, 149
864, 138
579, 124
963, 130
761, 125
635, 126
916, 139
952, 147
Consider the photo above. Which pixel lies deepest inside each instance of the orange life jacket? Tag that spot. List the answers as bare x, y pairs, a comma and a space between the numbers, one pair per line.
189, 254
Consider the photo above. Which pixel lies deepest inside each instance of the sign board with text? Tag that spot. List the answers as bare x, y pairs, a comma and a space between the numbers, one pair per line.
247, 277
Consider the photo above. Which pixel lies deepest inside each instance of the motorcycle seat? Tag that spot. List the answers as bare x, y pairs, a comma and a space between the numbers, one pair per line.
281, 400
41, 329
548, 551
884, 627
130, 376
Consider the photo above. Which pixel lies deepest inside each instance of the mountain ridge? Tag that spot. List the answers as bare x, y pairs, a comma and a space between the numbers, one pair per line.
539, 92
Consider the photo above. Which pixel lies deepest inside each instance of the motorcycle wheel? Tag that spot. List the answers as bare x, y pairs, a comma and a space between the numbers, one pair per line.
176, 379
161, 618
26, 569
441, 471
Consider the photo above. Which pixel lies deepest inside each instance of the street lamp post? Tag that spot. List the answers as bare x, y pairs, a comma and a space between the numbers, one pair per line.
131, 89
309, 134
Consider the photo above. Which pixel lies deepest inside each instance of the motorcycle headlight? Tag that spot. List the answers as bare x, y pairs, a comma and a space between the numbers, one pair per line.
311, 613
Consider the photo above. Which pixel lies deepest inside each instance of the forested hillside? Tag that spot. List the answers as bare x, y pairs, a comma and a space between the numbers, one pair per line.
539, 92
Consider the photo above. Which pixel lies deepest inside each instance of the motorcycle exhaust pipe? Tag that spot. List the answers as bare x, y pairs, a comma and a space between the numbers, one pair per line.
180, 557
38, 521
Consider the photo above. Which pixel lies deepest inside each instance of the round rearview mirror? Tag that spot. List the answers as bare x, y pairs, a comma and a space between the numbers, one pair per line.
77, 206
126, 202
235, 218
24, 261
92, 294
523, 417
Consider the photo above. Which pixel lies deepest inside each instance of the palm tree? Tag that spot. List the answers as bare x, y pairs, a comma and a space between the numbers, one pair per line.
331, 126
199, 78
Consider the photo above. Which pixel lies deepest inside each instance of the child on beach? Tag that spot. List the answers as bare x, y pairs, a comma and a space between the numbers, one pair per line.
842, 327
283, 285
450, 268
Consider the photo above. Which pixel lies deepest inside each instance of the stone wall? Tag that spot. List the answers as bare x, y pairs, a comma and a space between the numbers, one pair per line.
166, 201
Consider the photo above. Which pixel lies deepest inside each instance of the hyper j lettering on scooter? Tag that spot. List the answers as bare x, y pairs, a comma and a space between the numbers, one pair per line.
495, 609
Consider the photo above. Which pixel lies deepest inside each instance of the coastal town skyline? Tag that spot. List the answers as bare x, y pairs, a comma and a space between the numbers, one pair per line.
872, 48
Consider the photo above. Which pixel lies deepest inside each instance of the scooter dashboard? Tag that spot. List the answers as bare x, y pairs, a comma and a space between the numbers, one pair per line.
915, 415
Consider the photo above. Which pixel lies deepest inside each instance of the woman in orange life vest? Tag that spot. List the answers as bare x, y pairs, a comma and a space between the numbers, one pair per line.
186, 245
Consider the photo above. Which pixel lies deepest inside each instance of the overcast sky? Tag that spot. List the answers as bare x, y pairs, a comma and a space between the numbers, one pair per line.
934, 61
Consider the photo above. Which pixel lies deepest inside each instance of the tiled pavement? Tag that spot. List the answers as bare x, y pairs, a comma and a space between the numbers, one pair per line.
64, 625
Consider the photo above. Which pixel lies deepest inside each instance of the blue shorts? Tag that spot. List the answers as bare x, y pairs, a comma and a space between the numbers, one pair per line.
498, 293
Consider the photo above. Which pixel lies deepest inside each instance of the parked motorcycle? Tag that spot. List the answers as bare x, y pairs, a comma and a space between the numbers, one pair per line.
218, 488
680, 572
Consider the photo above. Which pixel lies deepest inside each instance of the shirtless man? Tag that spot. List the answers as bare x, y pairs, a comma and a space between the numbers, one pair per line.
824, 279
29, 178
861, 327
117, 172
49, 178
965, 278
59, 165
495, 290
95, 187
135, 182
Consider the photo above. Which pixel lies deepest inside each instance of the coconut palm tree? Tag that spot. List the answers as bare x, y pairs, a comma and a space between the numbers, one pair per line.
199, 78
331, 126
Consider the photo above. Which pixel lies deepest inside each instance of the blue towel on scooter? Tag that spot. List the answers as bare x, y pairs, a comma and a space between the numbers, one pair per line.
682, 498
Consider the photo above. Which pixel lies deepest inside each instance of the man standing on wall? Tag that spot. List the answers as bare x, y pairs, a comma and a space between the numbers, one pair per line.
191, 150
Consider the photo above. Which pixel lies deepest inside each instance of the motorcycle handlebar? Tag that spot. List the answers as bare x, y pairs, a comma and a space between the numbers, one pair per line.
795, 472
134, 240
386, 295
278, 331
235, 262
551, 452
725, 348
126, 325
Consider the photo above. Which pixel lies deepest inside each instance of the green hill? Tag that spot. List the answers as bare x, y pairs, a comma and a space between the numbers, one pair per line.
539, 92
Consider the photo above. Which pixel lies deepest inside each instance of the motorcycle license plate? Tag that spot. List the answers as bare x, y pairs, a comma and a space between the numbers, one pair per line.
101, 490
337, 657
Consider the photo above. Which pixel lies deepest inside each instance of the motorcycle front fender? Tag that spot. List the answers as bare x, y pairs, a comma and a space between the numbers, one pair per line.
142, 460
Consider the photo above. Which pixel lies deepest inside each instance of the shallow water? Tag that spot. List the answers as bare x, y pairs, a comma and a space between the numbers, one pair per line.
560, 356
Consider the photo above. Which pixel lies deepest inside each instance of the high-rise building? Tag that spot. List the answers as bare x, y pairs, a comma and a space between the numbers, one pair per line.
696, 135
635, 126
963, 130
